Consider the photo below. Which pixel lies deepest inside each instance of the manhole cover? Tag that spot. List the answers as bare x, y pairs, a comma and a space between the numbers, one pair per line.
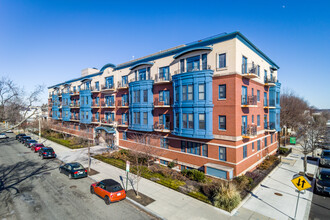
278, 194
73, 187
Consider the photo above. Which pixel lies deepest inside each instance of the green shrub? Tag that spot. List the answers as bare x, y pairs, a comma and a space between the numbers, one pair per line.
194, 175
227, 197
283, 150
173, 184
171, 164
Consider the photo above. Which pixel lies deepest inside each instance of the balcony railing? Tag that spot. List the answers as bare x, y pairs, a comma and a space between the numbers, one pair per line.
163, 79
95, 120
249, 131
165, 103
250, 70
121, 85
162, 127
74, 118
107, 121
74, 105
72, 92
120, 103
122, 123
137, 79
269, 126
108, 104
95, 105
249, 101
108, 87
187, 70
270, 81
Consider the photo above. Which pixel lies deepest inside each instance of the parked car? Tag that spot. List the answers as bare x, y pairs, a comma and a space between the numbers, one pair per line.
47, 152
36, 147
323, 181
24, 139
20, 135
3, 136
9, 131
29, 143
108, 189
325, 158
73, 170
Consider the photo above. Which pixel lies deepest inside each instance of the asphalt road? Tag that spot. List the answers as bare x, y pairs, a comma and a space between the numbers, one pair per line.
34, 189
320, 208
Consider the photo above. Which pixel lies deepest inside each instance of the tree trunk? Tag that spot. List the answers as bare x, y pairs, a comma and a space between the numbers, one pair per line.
305, 164
89, 158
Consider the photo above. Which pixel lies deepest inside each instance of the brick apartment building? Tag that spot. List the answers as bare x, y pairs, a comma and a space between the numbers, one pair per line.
213, 104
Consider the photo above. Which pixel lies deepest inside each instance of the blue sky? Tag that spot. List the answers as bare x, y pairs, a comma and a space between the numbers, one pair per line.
47, 42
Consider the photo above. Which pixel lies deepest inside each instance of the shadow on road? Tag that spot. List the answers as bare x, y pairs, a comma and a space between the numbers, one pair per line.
11, 175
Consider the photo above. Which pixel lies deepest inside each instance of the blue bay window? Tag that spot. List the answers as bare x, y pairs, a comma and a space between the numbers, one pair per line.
193, 63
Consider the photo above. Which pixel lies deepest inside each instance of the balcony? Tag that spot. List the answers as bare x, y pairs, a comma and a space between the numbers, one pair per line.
162, 127
96, 105
249, 131
188, 70
249, 101
108, 88
94, 89
144, 79
74, 105
162, 104
249, 71
164, 79
121, 104
121, 123
74, 92
270, 127
270, 104
75, 118
108, 105
95, 121
107, 122
121, 85
271, 81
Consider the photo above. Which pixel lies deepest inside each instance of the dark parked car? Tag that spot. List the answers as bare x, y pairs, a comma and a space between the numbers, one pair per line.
30, 142
323, 181
73, 170
46, 152
325, 158
108, 189
20, 135
24, 138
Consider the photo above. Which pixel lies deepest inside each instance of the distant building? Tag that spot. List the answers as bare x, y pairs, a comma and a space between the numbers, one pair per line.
215, 104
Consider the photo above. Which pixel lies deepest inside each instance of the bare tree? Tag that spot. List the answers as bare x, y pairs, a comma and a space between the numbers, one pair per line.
85, 134
305, 144
15, 103
143, 153
317, 130
293, 108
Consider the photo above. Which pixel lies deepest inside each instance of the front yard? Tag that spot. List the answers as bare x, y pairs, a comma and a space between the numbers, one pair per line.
219, 193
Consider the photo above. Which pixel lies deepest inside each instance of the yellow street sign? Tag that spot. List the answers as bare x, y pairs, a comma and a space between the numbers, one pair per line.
301, 183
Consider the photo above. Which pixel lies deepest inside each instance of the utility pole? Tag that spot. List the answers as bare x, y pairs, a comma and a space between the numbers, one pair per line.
39, 128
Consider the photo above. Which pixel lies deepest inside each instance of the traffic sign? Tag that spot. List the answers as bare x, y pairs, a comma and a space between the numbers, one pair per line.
301, 183
127, 166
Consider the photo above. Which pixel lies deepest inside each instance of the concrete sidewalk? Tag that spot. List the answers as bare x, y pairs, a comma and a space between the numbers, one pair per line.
170, 204
282, 206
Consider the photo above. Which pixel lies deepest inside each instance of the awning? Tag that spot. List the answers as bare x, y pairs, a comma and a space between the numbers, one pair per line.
219, 167
109, 130
190, 50
140, 64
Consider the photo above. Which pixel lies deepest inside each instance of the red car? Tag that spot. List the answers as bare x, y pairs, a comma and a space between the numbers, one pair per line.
108, 189
37, 147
